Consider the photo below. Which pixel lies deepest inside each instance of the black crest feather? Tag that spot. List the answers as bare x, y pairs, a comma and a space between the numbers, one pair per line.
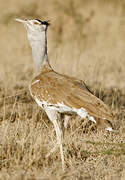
43, 22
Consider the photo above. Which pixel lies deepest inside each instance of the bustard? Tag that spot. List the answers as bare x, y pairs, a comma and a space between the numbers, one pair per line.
57, 93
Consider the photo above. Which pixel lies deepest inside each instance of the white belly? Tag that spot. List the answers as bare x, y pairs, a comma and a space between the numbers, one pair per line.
60, 107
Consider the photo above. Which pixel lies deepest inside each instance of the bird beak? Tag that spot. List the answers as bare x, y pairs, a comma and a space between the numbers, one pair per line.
24, 22
20, 20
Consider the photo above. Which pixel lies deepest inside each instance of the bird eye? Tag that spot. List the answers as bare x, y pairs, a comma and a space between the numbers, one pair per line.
36, 23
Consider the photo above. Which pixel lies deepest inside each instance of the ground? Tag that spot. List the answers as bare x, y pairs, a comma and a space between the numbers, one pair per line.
86, 39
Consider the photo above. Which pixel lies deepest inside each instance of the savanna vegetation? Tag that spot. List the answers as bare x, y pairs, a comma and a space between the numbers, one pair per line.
86, 40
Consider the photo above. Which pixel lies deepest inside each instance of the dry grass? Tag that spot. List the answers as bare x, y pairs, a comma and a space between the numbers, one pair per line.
86, 40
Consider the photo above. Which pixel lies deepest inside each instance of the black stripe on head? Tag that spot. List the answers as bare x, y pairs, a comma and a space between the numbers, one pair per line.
43, 22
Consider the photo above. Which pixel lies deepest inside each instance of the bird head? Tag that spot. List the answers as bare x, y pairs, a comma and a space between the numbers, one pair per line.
35, 28
34, 25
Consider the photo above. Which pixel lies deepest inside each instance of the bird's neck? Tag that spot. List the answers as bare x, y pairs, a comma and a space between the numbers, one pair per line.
39, 52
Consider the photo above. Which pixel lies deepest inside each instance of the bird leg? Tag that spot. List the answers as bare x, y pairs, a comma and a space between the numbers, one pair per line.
64, 122
63, 131
53, 115
59, 141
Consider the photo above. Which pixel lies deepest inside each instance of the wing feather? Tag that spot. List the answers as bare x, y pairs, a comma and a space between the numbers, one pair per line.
55, 88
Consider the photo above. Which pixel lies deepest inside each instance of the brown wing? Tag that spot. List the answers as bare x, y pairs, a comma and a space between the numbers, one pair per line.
55, 88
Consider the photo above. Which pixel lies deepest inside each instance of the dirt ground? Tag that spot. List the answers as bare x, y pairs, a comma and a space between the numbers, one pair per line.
86, 40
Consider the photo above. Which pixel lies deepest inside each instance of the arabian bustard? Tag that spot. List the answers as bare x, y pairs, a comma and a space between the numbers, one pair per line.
57, 93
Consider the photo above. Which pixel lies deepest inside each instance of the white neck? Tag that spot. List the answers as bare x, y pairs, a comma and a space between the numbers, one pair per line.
38, 43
